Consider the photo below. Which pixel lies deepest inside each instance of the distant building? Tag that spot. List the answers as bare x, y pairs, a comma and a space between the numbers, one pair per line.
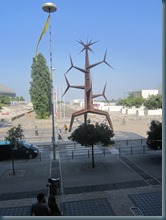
144, 93
5, 91
77, 102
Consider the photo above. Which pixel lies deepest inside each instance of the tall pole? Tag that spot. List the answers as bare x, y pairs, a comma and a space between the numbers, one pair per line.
64, 102
56, 104
60, 104
49, 8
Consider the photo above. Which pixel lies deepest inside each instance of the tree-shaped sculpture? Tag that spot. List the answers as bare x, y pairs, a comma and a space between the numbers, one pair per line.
88, 94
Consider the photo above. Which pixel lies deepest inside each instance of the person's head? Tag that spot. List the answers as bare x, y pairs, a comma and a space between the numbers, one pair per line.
40, 197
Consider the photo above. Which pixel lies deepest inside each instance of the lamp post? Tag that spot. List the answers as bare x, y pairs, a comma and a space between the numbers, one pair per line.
49, 8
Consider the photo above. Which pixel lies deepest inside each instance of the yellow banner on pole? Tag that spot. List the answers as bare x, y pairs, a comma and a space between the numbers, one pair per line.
42, 33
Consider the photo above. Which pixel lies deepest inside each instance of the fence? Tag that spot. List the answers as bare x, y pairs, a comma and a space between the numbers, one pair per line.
130, 142
73, 150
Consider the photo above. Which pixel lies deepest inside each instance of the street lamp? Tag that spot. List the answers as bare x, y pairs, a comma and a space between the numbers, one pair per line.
49, 8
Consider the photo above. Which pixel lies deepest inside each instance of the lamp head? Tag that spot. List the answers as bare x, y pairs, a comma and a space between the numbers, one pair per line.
49, 7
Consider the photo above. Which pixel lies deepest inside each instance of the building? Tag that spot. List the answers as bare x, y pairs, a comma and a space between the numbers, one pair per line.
144, 93
5, 91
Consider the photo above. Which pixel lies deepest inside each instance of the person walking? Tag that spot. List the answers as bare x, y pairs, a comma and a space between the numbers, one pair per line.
40, 208
65, 127
124, 120
53, 206
36, 130
59, 135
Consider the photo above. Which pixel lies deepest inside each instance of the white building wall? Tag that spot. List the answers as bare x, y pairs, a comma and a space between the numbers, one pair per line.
131, 111
115, 108
154, 112
140, 112
99, 104
147, 93
123, 110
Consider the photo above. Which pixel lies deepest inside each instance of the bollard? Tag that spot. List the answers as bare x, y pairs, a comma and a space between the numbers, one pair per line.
104, 152
143, 149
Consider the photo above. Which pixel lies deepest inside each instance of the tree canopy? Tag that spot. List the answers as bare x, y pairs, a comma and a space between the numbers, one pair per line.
89, 134
131, 101
153, 102
6, 100
13, 135
155, 130
40, 87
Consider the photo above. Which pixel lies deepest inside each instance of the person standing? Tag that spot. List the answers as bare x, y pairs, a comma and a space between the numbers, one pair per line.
36, 130
65, 127
53, 206
40, 208
59, 135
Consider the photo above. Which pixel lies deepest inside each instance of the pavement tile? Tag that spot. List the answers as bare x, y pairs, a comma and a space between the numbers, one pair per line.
149, 203
91, 207
15, 211
103, 187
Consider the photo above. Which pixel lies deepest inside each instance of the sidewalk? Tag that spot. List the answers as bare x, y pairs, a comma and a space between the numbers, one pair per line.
112, 188
119, 183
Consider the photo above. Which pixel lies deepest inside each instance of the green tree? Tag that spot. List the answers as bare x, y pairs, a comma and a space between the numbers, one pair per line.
153, 102
13, 135
40, 89
21, 98
5, 100
155, 130
89, 134
131, 101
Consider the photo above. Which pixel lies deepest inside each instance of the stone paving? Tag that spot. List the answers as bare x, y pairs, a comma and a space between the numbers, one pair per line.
114, 199
89, 207
135, 184
15, 211
149, 203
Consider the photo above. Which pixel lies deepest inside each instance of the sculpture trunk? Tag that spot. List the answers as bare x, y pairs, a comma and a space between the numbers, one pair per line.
88, 94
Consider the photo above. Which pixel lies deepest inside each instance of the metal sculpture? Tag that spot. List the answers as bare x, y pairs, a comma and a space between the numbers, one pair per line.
88, 94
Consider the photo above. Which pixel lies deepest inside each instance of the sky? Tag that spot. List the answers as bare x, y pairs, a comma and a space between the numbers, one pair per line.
130, 31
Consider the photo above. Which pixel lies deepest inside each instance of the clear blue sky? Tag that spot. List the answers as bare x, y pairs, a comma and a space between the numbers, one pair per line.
130, 30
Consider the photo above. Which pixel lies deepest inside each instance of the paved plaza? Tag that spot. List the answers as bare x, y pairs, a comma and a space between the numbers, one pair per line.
119, 185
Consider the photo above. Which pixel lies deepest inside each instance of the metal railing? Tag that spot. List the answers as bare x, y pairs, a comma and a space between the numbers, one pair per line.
74, 150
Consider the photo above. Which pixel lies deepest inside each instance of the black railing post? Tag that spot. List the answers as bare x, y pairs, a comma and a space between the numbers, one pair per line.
119, 150
104, 152
141, 141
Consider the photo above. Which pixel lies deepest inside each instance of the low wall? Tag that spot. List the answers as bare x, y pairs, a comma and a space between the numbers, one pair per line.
111, 108
131, 111
154, 112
